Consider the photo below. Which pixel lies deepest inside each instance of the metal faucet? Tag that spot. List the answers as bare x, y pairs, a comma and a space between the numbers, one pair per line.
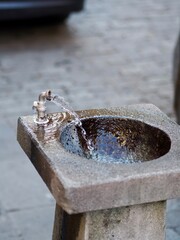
41, 107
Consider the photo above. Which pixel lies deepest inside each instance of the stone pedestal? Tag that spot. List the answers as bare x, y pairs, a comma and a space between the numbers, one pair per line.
138, 222
99, 200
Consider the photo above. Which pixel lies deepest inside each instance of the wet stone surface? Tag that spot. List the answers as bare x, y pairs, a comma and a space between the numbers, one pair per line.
117, 140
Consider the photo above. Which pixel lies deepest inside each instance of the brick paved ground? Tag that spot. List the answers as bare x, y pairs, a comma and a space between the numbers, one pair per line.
113, 53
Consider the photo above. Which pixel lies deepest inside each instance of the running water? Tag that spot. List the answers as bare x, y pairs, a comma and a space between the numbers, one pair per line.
60, 102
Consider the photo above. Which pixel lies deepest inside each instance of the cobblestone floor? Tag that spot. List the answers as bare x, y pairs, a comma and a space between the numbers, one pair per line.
113, 53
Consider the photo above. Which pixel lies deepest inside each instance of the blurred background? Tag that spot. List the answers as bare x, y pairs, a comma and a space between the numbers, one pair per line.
112, 53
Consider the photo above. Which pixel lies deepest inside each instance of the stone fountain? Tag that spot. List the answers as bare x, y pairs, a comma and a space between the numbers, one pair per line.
119, 191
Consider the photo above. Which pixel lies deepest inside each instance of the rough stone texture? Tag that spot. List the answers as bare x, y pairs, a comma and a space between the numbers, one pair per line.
138, 222
113, 53
80, 185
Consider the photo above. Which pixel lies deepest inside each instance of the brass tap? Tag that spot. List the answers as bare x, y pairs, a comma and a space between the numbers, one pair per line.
40, 107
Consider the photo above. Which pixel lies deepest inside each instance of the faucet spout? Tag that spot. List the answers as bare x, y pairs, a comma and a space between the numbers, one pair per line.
40, 107
45, 96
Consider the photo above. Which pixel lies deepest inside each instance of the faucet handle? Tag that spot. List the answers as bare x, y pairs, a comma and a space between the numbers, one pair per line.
39, 106
41, 112
35, 104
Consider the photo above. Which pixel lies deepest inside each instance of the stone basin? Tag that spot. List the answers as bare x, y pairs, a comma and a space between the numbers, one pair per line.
116, 140
138, 134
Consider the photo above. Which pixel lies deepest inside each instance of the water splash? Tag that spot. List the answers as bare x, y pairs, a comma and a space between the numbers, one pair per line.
60, 102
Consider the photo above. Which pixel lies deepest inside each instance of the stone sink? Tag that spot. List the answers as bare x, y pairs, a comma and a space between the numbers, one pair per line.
136, 157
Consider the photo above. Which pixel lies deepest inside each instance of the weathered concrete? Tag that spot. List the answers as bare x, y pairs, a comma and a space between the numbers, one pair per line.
81, 185
139, 222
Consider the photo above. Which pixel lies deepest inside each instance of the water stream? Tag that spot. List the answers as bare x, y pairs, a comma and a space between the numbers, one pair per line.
60, 102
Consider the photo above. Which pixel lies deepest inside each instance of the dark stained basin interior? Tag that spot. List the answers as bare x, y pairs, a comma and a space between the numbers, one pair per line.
116, 139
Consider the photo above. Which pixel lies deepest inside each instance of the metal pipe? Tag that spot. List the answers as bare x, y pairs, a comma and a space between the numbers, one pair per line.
40, 107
